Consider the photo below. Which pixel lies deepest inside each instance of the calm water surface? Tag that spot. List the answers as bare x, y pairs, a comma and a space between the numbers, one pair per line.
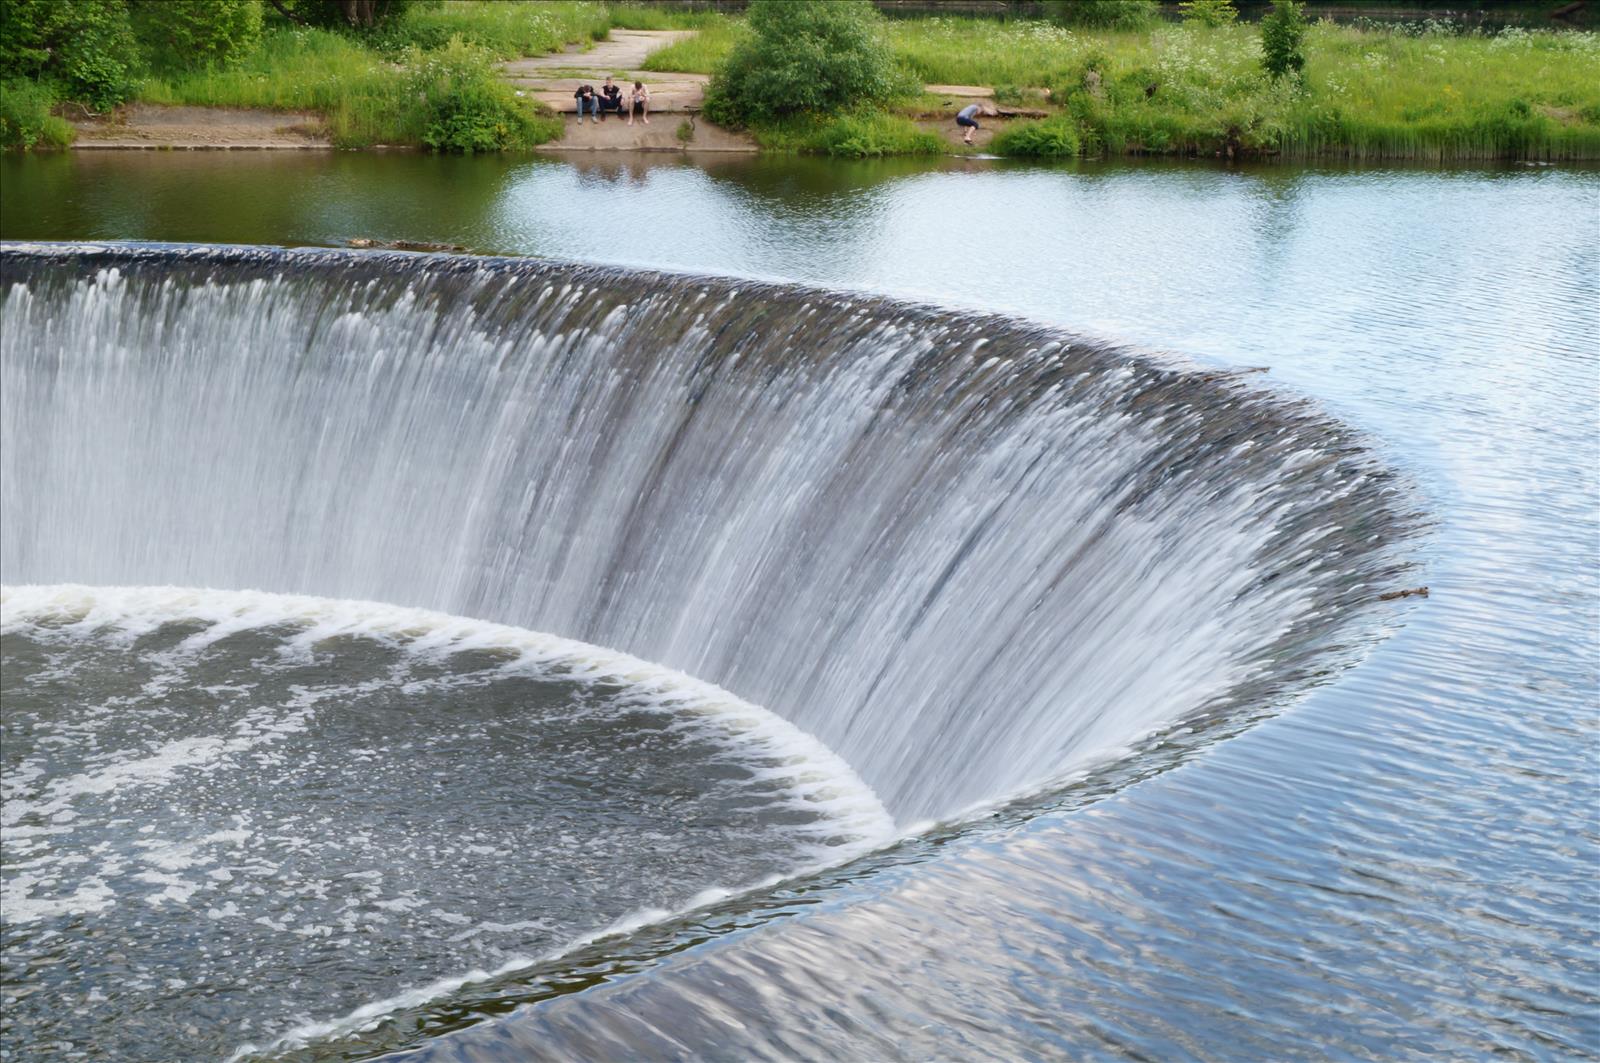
1405, 864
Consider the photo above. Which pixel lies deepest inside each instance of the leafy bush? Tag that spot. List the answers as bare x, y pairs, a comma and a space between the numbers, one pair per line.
1211, 13
86, 45
873, 135
1107, 14
25, 118
816, 56
1283, 33
1052, 138
188, 33
466, 106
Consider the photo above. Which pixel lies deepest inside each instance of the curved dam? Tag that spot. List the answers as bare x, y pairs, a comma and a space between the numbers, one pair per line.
954, 555
958, 550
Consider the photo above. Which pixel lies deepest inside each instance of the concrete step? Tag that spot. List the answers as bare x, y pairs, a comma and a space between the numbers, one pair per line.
662, 134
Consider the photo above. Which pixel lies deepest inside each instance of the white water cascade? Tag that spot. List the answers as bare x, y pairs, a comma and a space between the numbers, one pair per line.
963, 552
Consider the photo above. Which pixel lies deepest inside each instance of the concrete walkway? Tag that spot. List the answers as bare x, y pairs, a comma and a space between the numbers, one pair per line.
552, 79
675, 98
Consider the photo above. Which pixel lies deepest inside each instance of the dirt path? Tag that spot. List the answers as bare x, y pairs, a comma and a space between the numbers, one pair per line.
142, 125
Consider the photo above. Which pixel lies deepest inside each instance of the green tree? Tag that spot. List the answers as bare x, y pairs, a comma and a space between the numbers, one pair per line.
1106, 14
86, 46
804, 56
183, 33
1211, 13
1283, 32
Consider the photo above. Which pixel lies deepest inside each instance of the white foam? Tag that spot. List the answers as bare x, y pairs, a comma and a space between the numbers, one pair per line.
819, 779
823, 781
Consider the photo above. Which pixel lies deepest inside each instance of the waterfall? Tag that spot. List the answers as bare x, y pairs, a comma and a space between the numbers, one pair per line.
963, 551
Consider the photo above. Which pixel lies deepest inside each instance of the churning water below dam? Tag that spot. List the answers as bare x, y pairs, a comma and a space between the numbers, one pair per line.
501, 658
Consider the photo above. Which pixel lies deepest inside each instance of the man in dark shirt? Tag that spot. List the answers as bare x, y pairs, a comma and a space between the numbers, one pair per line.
610, 98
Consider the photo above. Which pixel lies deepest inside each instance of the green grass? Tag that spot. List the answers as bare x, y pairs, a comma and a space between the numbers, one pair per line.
537, 27
1051, 138
701, 53
26, 120
362, 85
853, 136
959, 51
1367, 93
639, 16
366, 98
507, 30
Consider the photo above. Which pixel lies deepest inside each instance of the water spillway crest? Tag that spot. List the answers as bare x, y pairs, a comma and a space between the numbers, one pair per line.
954, 555
955, 549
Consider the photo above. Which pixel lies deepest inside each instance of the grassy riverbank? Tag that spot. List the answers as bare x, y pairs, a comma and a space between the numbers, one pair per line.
1408, 91
424, 77
367, 86
427, 77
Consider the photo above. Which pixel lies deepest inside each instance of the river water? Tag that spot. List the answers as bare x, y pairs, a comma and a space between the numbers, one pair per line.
1240, 817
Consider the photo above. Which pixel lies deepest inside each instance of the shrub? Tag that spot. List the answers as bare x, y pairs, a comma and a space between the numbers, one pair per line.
1211, 13
86, 45
189, 33
871, 136
1107, 14
1283, 33
25, 118
816, 56
466, 107
1052, 138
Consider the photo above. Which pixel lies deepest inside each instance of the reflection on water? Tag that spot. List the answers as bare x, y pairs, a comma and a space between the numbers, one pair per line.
1404, 865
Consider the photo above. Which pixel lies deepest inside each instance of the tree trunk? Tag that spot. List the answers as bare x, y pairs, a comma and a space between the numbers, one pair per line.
363, 13
286, 13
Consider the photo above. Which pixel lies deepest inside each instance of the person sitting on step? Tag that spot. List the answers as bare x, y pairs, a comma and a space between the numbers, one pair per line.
610, 99
640, 103
587, 101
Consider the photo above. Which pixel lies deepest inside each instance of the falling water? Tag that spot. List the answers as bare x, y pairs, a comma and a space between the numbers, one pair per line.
950, 556
961, 551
